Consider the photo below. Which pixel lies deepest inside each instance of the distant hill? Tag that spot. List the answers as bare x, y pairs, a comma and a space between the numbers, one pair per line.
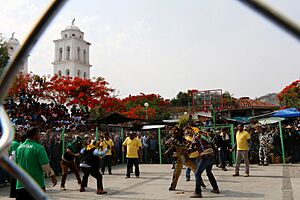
269, 98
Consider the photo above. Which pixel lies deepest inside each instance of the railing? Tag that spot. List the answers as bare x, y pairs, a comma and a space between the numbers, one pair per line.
7, 79
13, 68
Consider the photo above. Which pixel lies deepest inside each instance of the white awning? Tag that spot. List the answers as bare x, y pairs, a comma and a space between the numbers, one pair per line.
170, 120
146, 127
270, 120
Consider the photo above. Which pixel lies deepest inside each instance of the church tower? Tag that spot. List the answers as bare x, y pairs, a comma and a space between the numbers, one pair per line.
71, 57
13, 46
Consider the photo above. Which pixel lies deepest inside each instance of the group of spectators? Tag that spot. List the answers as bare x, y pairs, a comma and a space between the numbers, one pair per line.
264, 146
51, 119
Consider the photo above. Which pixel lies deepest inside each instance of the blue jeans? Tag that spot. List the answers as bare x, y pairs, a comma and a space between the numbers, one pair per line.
188, 170
205, 163
222, 157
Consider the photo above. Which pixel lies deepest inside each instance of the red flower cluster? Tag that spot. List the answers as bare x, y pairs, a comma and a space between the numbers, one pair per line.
290, 95
88, 93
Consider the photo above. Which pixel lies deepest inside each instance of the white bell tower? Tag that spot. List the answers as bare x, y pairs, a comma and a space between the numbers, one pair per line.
72, 54
13, 46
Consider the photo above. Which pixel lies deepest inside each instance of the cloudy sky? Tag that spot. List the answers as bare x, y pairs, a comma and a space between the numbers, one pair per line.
167, 46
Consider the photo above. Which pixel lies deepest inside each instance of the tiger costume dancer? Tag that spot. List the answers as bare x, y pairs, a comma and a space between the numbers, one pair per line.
180, 146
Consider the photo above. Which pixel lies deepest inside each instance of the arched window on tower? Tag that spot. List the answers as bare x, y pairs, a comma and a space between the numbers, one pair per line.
84, 56
66, 35
59, 73
84, 75
78, 73
60, 54
78, 53
67, 72
68, 53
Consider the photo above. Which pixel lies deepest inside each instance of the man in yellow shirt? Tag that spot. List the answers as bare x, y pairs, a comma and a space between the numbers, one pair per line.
107, 143
242, 145
132, 146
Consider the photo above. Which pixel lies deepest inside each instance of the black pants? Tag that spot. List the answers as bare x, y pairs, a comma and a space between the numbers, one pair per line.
153, 156
130, 163
13, 183
106, 162
22, 194
94, 172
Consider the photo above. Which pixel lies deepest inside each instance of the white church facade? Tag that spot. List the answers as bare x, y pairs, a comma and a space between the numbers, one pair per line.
71, 57
13, 46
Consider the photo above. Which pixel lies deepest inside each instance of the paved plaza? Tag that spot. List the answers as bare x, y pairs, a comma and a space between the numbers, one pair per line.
270, 182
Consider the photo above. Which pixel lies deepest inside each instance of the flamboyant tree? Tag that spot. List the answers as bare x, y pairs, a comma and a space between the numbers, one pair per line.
27, 84
90, 94
290, 95
133, 106
87, 93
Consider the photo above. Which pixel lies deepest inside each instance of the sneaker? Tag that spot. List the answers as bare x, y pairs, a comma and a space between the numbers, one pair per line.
196, 195
188, 179
63, 188
246, 175
110, 173
171, 189
127, 177
235, 174
82, 189
101, 191
215, 191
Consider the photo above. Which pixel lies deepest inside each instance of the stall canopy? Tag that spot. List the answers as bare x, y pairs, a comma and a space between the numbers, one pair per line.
287, 113
270, 120
114, 118
240, 120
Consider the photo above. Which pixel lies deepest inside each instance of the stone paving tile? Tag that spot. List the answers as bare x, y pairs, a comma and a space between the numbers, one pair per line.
265, 182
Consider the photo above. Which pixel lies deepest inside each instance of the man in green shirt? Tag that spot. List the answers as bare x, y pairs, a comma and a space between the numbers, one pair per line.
68, 161
12, 152
32, 157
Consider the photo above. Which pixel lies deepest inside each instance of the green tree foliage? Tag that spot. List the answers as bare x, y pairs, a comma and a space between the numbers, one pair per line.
4, 57
228, 100
182, 99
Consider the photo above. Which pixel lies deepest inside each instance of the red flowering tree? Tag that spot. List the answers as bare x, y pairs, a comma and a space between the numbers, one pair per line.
87, 93
20, 85
30, 84
290, 95
133, 106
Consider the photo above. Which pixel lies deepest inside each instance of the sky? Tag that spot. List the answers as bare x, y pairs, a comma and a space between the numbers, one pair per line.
168, 46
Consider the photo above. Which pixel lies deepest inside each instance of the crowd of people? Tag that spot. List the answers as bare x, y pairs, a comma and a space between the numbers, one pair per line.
55, 125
